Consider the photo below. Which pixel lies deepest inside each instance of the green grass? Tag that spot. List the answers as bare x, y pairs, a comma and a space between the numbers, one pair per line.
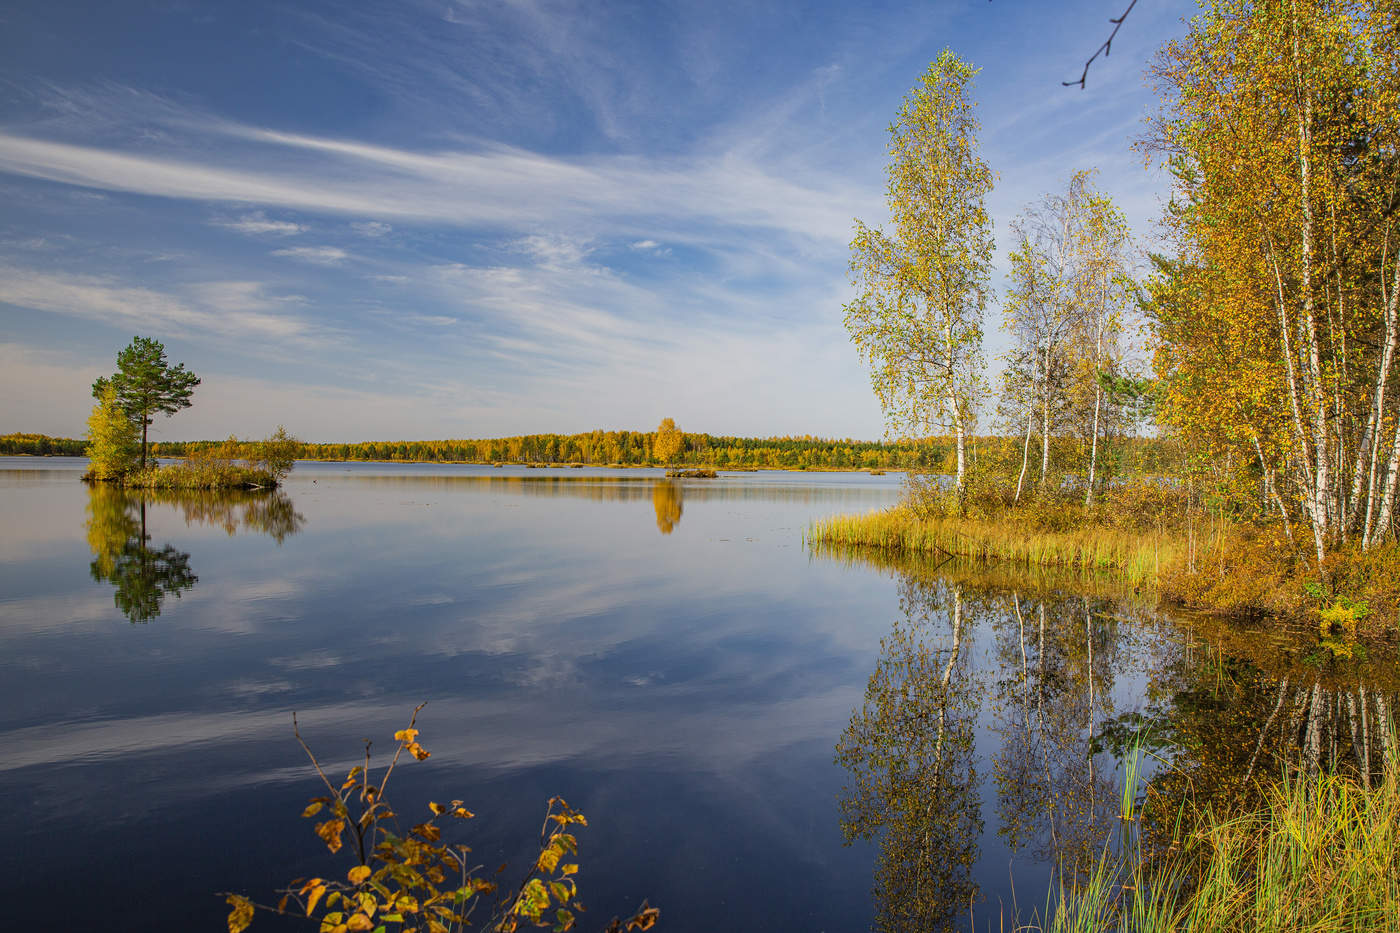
1318, 855
1136, 556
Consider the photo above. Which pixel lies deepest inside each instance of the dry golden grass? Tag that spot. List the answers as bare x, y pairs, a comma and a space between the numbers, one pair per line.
1136, 556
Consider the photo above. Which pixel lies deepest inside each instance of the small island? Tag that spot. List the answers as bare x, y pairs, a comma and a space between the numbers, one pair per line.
144, 384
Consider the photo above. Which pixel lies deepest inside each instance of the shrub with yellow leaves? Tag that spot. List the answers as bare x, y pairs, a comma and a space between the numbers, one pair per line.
414, 882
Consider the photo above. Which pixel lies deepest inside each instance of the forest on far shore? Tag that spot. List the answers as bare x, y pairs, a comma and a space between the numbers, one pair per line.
1128, 455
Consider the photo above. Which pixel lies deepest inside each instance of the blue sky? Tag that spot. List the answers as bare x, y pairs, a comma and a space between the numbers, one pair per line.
460, 219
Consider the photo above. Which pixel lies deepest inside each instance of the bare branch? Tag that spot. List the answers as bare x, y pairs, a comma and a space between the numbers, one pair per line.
1103, 49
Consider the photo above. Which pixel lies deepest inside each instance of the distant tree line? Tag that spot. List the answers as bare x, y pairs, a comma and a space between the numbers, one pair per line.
630, 448
40, 445
1130, 455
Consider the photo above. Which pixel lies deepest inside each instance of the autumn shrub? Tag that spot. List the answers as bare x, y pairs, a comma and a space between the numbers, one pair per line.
412, 880
1143, 504
229, 464
1244, 569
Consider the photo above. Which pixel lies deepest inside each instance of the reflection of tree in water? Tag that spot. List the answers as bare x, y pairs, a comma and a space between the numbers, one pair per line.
1234, 716
909, 750
666, 497
268, 513
144, 575
1058, 657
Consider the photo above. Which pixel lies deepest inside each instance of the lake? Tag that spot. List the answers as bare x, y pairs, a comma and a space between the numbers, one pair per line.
760, 736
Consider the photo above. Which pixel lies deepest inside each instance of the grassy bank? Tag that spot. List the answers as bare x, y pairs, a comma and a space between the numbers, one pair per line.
1132, 530
1147, 533
1319, 854
1137, 556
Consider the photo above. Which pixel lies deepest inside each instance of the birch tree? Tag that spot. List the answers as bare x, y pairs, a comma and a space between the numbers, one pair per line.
1064, 311
923, 286
1100, 276
1279, 329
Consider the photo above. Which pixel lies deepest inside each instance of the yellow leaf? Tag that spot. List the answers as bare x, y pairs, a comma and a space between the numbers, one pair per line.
462, 813
314, 898
419, 751
330, 831
313, 809
358, 874
241, 915
568, 870
437, 808
359, 923
406, 735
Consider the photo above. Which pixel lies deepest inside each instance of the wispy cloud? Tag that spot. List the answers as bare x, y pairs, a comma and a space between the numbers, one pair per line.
218, 308
490, 187
371, 228
258, 224
318, 255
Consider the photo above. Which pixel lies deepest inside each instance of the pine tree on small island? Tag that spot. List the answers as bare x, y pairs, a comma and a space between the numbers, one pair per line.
145, 384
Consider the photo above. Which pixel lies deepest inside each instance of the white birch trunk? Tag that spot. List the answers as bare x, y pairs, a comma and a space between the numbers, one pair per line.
1025, 455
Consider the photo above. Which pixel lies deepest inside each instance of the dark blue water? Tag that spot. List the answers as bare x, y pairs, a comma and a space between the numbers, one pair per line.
727, 708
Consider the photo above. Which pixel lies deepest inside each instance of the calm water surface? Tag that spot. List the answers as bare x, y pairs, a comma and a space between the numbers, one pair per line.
761, 737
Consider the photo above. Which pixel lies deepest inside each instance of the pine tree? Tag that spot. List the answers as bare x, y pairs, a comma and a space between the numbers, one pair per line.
145, 384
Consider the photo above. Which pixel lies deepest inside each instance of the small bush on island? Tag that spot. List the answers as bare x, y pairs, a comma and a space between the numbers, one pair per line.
232, 464
413, 880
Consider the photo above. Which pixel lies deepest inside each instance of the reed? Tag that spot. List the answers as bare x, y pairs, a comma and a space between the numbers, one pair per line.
1319, 854
1136, 556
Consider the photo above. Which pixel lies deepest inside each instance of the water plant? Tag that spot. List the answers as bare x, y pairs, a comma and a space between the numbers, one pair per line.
1318, 854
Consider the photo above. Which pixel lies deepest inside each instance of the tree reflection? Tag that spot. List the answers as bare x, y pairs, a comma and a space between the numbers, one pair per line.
909, 749
144, 575
1077, 685
1058, 658
666, 496
1238, 712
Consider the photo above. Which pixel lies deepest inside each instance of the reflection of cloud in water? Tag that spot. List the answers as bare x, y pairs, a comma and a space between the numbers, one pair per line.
484, 734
